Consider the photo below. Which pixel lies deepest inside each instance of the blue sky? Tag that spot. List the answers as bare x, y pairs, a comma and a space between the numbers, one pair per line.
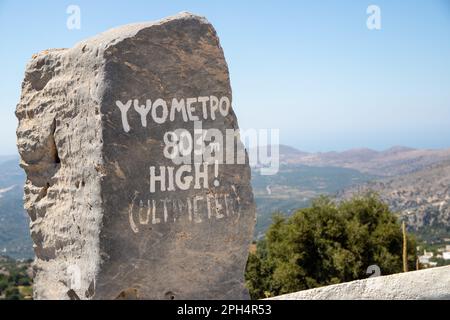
310, 68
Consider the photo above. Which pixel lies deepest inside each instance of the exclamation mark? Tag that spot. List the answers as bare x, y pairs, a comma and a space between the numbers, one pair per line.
216, 173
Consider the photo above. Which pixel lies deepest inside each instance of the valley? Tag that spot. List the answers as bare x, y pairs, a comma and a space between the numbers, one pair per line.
415, 183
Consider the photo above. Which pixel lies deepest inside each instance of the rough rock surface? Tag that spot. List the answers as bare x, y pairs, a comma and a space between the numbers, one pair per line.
422, 198
429, 284
99, 230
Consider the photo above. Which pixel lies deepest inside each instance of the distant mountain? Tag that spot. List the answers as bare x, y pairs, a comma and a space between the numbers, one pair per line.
392, 162
7, 158
288, 151
422, 198
14, 233
397, 150
285, 152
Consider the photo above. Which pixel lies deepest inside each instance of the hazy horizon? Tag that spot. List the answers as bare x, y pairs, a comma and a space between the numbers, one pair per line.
314, 71
308, 151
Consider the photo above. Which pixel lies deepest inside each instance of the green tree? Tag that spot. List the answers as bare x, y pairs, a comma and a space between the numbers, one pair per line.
325, 244
12, 293
3, 284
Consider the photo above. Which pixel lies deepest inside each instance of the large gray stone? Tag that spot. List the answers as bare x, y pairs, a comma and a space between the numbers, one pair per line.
99, 229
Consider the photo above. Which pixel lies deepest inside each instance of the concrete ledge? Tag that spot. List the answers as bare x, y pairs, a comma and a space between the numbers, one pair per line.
416, 285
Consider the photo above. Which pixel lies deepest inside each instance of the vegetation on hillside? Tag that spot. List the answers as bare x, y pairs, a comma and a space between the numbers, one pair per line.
15, 279
325, 244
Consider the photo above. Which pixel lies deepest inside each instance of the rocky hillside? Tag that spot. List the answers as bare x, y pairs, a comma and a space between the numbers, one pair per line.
415, 182
422, 198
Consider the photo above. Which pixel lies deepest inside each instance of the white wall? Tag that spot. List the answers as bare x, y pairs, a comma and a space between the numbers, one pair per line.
423, 284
